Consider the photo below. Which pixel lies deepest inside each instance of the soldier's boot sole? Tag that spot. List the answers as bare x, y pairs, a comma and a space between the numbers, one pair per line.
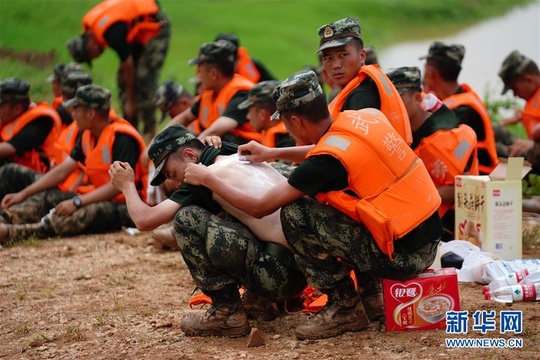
233, 327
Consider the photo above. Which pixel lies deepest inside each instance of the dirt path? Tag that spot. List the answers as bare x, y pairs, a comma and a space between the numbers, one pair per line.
114, 297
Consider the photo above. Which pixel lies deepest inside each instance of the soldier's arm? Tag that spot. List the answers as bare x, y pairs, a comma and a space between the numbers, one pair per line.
6, 149
184, 118
220, 127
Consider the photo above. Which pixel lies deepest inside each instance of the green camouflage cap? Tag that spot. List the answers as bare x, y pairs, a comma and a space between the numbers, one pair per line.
218, 51
163, 145
77, 50
371, 56
406, 77
260, 92
511, 68
14, 89
298, 89
57, 73
339, 33
72, 80
92, 96
451, 52
233, 38
167, 93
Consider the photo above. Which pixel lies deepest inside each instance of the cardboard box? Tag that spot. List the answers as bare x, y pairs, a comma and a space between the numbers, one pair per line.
421, 303
488, 209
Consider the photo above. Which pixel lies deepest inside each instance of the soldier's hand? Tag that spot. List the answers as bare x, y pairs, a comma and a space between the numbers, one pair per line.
121, 174
12, 199
253, 151
196, 174
212, 140
520, 147
65, 208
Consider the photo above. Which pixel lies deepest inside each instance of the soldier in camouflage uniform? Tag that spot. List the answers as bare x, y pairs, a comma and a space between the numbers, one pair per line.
522, 75
28, 212
220, 252
327, 244
140, 63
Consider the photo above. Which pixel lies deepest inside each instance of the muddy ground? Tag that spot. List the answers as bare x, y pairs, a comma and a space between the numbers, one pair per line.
114, 296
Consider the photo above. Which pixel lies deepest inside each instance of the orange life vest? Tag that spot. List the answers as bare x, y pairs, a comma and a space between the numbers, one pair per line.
99, 157
57, 101
269, 136
65, 143
246, 67
447, 153
470, 98
213, 105
530, 116
391, 104
395, 192
142, 27
33, 157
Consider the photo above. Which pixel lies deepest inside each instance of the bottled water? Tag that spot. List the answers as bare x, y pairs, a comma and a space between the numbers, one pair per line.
532, 278
508, 294
431, 102
513, 278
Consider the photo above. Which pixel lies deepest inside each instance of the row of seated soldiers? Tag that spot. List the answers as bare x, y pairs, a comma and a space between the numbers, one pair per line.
37, 137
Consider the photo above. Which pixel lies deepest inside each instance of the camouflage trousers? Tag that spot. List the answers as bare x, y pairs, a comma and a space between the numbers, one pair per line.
221, 251
148, 60
327, 245
92, 218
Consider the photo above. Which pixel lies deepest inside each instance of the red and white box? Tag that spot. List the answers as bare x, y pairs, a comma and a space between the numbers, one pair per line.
421, 303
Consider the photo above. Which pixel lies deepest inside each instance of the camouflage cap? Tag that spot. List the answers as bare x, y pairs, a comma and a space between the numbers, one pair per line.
163, 145
167, 93
260, 92
371, 56
92, 96
339, 33
77, 49
406, 77
451, 52
298, 89
57, 73
233, 38
72, 80
512, 66
218, 51
14, 89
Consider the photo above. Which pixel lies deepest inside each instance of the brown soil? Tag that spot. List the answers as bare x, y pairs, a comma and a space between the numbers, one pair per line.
38, 59
113, 296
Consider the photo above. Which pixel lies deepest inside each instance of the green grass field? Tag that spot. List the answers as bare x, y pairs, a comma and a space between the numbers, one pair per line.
283, 34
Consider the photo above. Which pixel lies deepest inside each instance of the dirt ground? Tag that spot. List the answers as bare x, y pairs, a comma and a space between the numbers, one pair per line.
113, 296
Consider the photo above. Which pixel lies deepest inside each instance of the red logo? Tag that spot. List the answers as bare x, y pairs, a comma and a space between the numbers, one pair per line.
404, 293
496, 192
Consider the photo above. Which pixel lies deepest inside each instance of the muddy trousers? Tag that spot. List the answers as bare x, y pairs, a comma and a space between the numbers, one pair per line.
327, 245
92, 218
223, 252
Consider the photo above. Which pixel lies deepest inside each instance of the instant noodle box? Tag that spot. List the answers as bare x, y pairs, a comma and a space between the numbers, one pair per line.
421, 303
488, 209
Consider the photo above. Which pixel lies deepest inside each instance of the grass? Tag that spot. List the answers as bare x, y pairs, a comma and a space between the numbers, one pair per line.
281, 33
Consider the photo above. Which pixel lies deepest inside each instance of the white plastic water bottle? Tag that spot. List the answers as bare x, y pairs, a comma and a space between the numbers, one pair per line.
431, 102
513, 278
508, 294
532, 278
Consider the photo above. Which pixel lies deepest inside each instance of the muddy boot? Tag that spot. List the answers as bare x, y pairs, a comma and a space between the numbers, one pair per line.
12, 233
370, 291
343, 312
164, 238
225, 318
257, 307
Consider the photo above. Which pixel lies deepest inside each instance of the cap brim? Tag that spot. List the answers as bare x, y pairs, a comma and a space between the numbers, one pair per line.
159, 178
50, 78
275, 116
245, 104
505, 89
195, 61
73, 102
423, 57
335, 43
